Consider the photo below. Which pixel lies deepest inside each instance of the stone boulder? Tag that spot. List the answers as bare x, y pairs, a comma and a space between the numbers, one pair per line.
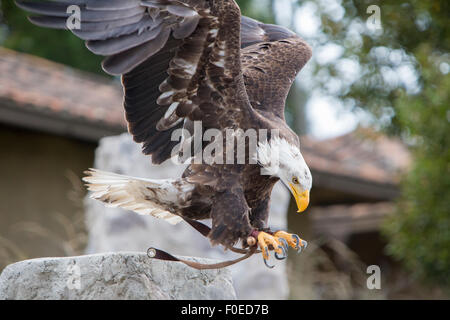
112, 276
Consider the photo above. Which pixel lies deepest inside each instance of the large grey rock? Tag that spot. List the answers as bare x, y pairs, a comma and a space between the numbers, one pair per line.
125, 275
119, 230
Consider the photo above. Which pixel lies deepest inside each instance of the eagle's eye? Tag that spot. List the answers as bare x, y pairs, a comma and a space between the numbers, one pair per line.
295, 180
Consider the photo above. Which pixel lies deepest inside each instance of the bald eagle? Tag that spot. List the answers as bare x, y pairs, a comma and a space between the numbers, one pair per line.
183, 61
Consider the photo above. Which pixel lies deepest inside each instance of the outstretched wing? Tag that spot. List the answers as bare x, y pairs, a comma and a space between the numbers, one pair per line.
271, 58
180, 59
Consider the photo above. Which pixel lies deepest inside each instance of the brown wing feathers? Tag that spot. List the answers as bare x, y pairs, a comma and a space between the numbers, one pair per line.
271, 65
253, 31
159, 46
179, 59
141, 110
112, 27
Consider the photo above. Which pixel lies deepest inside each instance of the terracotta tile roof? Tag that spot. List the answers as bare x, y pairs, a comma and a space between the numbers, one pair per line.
47, 86
363, 154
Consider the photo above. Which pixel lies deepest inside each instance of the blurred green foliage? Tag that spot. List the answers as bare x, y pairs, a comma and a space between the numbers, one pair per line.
419, 232
415, 36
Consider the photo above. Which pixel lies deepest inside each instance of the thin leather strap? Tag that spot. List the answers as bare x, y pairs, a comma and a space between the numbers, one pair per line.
154, 253
162, 255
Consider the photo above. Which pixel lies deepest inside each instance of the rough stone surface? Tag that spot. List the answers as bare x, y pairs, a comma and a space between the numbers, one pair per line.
118, 230
124, 275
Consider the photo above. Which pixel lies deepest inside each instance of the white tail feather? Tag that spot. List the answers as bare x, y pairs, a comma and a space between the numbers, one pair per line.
143, 196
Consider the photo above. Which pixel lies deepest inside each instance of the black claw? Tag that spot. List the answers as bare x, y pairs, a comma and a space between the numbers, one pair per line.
304, 244
267, 264
284, 243
279, 258
283, 256
284, 251
297, 241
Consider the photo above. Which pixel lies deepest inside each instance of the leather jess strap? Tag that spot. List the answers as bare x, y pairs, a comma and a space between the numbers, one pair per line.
162, 255
155, 253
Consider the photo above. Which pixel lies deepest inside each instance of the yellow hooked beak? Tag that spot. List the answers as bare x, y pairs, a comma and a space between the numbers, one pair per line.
301, 197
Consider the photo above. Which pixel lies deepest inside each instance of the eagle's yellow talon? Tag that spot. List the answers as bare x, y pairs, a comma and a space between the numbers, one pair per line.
292, 239
263, 246
278, 242
265, 240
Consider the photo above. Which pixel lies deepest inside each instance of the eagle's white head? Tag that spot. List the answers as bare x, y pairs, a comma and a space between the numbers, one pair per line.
284, 160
